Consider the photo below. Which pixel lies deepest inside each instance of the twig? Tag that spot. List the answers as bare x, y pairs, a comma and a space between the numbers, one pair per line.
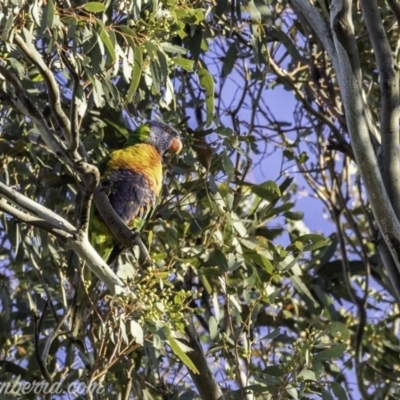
36, 323
30, 52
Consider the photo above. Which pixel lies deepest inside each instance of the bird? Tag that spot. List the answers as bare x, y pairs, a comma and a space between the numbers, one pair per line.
132, 179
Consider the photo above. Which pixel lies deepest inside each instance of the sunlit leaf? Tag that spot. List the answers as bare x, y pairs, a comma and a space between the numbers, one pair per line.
171, 48
184, 63
176, 348
47, 16
136, 332
268, 190
335, 351
207, 82
136, 73
94, 7
108, 43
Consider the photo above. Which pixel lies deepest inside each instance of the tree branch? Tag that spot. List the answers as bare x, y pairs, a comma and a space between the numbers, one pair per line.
38, 211
74, 111
358, 129
346, 35
30, 52
75, 239
320, 27
389, 84
205, 381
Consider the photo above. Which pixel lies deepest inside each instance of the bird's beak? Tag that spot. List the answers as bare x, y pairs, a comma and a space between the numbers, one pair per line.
176, 145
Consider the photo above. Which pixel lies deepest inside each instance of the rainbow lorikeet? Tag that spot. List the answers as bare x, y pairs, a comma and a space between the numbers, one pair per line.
132, 178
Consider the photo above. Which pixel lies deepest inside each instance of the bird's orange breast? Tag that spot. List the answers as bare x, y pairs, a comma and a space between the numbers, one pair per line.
140, 158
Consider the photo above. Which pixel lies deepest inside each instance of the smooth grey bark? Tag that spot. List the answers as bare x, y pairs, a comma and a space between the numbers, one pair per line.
389, 121
27, 210
389, 85
205, 381
338, 40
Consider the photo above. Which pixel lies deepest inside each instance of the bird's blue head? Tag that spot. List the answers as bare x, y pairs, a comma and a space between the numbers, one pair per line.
162, 136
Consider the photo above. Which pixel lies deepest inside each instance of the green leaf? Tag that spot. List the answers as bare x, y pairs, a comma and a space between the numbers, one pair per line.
339, 330
303, 157
47, 16
301, 287
107, 42
268, 190
338, 391
176, 348
230, 59
335, 351
172, 48
136, 73
291, 48
94, 7
128, 35
98, 93
122, 329
217, 259
288, 263
207, 82
137, 332
312, 241
204, 281
307, 375
292, 392
255, 14
184, 63
213, 327
294, 215
162, 59
156, 74
326, 395
7, 27
275, 370
227, 163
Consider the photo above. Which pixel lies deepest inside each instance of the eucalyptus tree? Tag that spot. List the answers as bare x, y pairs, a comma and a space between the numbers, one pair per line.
225, 293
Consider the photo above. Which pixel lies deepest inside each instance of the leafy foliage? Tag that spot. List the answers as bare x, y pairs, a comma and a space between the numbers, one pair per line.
280, 311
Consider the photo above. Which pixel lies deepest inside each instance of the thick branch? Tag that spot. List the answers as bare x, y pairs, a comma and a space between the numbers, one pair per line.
389, 101
345, 34
363, 150
31, 220
320, 27
75, 240
205, 381
35, 209
82, 247
342, 25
